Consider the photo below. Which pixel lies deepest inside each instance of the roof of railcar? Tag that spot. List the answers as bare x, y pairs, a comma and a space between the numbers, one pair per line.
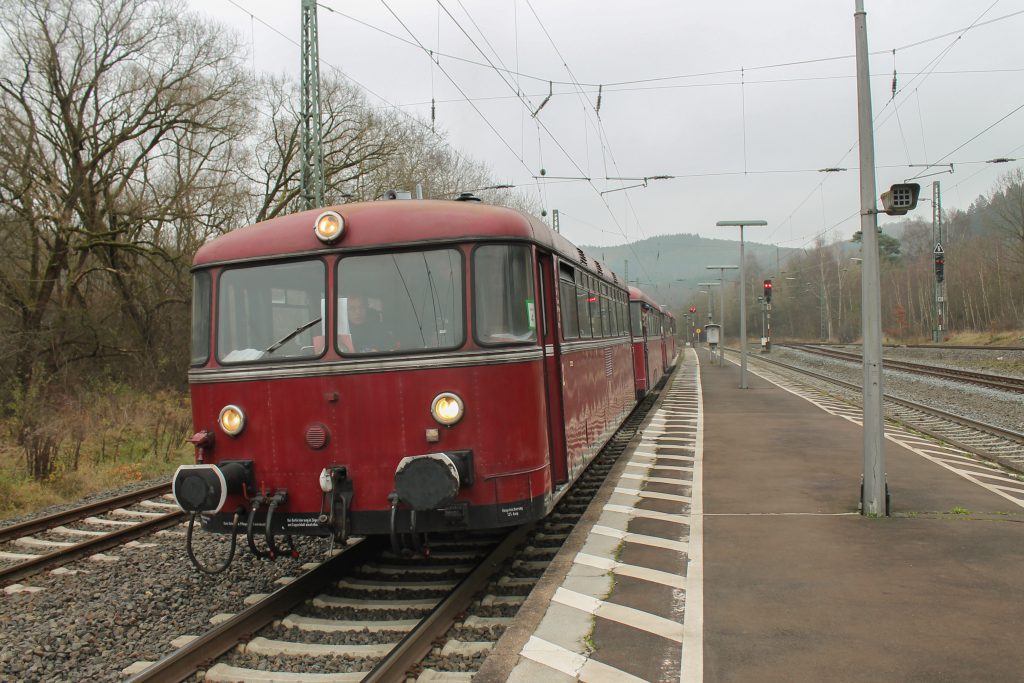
637, 294
370, 225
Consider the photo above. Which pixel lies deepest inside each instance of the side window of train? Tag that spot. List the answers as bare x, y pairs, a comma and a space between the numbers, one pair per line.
612, 317
567, 301
582, 305
634, 318
504, 301
623, 315
606, 314
594, 300
202, 300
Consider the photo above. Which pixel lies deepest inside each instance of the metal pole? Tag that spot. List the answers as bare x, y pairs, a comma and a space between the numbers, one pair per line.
873, 496
743, 317
764, 311
309, 111
940, 287
823, 332
721, 321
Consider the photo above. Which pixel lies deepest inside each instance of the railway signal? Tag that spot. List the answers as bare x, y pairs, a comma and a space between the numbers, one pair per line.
900, 198
693, 309
940, 263
767, 291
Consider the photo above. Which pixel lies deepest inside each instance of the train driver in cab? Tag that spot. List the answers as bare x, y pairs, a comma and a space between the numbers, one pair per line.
366, 332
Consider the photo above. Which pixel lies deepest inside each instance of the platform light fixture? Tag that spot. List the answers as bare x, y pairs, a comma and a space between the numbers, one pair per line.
743, 293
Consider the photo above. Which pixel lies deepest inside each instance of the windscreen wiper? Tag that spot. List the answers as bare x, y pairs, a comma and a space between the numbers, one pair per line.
291, 335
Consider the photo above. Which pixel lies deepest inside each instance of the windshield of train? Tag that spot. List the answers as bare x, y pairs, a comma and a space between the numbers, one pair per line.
400, 302
271, 312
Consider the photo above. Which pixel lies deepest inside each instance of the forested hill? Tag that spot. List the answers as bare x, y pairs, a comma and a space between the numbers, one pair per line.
672, 265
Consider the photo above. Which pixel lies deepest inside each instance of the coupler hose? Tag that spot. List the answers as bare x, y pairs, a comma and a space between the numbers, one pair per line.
396, 546
279, 498
231, 552
257, 502
414, 536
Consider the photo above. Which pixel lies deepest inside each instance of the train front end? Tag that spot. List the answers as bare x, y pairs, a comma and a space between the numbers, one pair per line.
384, 381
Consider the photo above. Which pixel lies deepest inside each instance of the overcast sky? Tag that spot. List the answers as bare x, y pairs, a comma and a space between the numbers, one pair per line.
742, 144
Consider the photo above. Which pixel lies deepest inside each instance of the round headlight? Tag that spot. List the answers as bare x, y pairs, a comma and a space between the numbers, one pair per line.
447, 408
231, 420
329, 226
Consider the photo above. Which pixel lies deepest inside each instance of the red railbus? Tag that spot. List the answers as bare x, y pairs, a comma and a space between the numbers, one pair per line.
398, 367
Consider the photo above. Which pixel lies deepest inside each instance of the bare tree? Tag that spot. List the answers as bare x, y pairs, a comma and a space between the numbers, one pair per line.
1007, 211
356, 141
115, 112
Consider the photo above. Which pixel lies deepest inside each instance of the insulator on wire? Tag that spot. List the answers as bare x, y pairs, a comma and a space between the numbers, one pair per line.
893, 74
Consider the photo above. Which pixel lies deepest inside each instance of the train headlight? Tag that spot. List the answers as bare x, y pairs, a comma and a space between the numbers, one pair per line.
231, 420
329, 226
447, 408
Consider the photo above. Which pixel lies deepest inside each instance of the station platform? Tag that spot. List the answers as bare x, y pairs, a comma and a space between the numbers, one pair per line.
726, 546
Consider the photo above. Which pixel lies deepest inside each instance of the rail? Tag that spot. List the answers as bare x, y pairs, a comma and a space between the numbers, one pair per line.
32, 526
90, 547
981, 378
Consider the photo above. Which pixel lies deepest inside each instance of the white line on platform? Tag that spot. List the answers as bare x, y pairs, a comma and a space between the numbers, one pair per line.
657, 480
642, 539
655, 466
781, 514
572, 663
664, 456
632, 570
691, 667
647, 514
652, 494
645, 621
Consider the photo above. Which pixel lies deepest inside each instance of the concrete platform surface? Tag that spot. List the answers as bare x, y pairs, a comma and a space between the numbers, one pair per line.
727, 546
798, 587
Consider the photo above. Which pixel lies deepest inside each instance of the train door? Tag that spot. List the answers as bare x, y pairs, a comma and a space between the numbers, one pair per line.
548, 335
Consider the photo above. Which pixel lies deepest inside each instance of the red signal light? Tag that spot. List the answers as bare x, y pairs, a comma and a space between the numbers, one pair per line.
693, 309
768, 291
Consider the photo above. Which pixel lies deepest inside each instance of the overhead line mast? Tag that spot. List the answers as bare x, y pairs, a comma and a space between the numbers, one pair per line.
309, 112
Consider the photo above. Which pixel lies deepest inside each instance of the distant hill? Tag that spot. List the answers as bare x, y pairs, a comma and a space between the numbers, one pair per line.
657, 264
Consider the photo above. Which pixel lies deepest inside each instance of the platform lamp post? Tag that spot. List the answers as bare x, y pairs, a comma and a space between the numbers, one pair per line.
873, 493
711, 307
900, 199
743, 294
721, 279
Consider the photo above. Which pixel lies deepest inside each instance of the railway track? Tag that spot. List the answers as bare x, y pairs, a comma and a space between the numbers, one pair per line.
54, 540
961, 347
369, 615
990, 442
1006, 383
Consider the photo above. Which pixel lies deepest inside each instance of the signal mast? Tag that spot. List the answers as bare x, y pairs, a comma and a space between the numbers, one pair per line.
309, 111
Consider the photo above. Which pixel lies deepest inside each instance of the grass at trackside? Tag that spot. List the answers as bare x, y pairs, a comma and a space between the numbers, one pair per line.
106, 439
1010, 338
